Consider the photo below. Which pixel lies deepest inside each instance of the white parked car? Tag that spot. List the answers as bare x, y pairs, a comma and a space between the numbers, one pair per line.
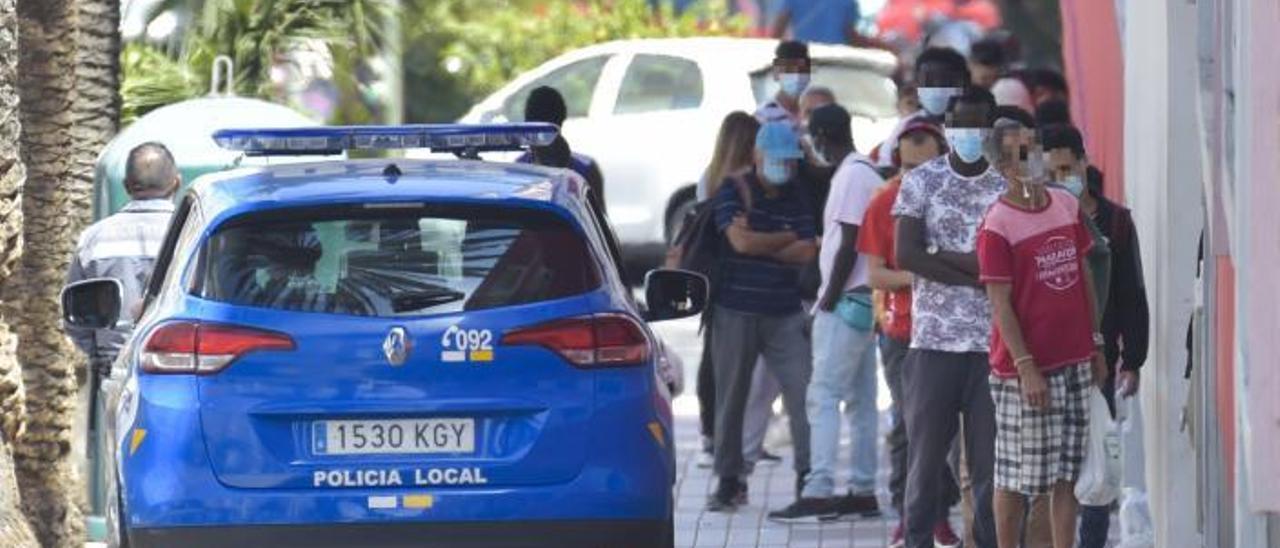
648, 112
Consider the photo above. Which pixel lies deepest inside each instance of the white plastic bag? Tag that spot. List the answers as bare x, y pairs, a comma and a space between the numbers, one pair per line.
1136, 530
1099, 481
671, 369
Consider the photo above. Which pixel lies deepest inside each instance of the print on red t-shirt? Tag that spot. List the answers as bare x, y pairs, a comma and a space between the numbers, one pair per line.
875, 237
1041, 254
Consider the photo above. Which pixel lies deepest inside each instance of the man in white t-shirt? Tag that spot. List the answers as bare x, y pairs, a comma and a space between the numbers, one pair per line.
844, 368
791, 69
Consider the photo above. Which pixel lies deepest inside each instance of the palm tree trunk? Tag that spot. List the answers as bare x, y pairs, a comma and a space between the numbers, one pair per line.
97, 102
54, 215
14, 529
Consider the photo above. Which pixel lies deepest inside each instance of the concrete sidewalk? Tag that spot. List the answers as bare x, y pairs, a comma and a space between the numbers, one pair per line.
770, 488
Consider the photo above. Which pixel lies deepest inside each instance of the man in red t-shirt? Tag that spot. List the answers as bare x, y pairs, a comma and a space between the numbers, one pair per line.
1045, 341
918, 143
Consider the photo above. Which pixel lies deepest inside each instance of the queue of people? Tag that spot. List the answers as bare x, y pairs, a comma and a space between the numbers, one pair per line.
995, 281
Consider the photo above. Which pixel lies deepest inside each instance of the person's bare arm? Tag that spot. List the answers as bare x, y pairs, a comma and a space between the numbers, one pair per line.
965, 262
1034, 388
910, 254
1097, 361
859, 40
780, 24
797, 252
841, 268
884, 278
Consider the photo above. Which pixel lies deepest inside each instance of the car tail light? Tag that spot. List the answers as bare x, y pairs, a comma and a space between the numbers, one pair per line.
187, 347
602, 340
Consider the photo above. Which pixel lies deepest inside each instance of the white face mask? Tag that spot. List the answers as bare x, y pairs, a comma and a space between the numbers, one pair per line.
967, 143
934, 100
793, 83
776, 171
1074, 184
1035, 169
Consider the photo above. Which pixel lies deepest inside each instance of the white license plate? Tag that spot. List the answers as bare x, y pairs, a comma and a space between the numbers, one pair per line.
393, 436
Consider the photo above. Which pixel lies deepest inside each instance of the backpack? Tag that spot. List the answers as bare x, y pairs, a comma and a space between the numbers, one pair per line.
698, 246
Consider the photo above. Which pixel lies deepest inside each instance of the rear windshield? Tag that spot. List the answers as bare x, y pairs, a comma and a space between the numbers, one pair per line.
395, 262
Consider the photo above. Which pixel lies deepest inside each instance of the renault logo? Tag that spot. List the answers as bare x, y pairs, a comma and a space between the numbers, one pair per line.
397, 346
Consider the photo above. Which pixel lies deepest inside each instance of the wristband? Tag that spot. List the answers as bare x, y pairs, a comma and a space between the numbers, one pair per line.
1024, 359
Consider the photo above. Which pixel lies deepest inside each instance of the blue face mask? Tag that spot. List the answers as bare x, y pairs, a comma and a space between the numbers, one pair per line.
1074, 185
776, 172
967, 143
934, 100
793, 83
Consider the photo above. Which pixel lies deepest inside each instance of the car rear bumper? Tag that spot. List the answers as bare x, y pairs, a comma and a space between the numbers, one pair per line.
560, 534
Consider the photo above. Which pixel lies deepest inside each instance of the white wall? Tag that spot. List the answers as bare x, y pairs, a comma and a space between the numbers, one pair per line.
1256, 246
1163, 188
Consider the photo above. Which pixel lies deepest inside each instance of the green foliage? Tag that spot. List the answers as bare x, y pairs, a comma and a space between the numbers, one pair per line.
150, 79
486, 42
490, 42
256, 35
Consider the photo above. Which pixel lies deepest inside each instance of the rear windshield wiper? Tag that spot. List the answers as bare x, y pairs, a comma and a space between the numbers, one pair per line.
418, 300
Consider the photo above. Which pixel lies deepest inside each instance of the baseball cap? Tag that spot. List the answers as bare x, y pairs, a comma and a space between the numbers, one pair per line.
778, 140
922, 125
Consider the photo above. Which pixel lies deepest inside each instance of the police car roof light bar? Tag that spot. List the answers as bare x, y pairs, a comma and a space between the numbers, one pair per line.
461, 139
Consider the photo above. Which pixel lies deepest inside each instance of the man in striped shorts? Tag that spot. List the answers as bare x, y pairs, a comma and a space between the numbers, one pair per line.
1045, 342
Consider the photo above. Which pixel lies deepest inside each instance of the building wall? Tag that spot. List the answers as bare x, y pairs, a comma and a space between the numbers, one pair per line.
1162, 180
1202, 151
1256, 243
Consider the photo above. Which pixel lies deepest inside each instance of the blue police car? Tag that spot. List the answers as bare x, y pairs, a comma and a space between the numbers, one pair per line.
389, 352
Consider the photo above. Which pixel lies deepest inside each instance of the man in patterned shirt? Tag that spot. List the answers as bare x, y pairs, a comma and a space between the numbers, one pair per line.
939, 209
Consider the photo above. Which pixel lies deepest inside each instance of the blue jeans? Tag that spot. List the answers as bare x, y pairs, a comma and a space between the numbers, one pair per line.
1095, 526
844, 370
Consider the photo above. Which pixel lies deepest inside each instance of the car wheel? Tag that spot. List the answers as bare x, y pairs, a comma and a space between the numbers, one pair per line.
669, 540
669, 537
676, 220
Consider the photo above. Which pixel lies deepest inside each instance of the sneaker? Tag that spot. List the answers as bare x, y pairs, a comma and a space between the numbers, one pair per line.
724, 499
851, 505
741, 498
705, 459
898, 539
944, 537
810, 510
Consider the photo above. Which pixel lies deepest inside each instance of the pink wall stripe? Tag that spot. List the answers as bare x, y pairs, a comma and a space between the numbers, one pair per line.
1094, 66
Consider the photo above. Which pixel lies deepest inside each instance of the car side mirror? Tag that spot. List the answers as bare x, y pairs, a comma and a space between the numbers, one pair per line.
671, 294
92, 304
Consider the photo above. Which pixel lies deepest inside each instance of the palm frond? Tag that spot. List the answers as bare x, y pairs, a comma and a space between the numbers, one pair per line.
152, 80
